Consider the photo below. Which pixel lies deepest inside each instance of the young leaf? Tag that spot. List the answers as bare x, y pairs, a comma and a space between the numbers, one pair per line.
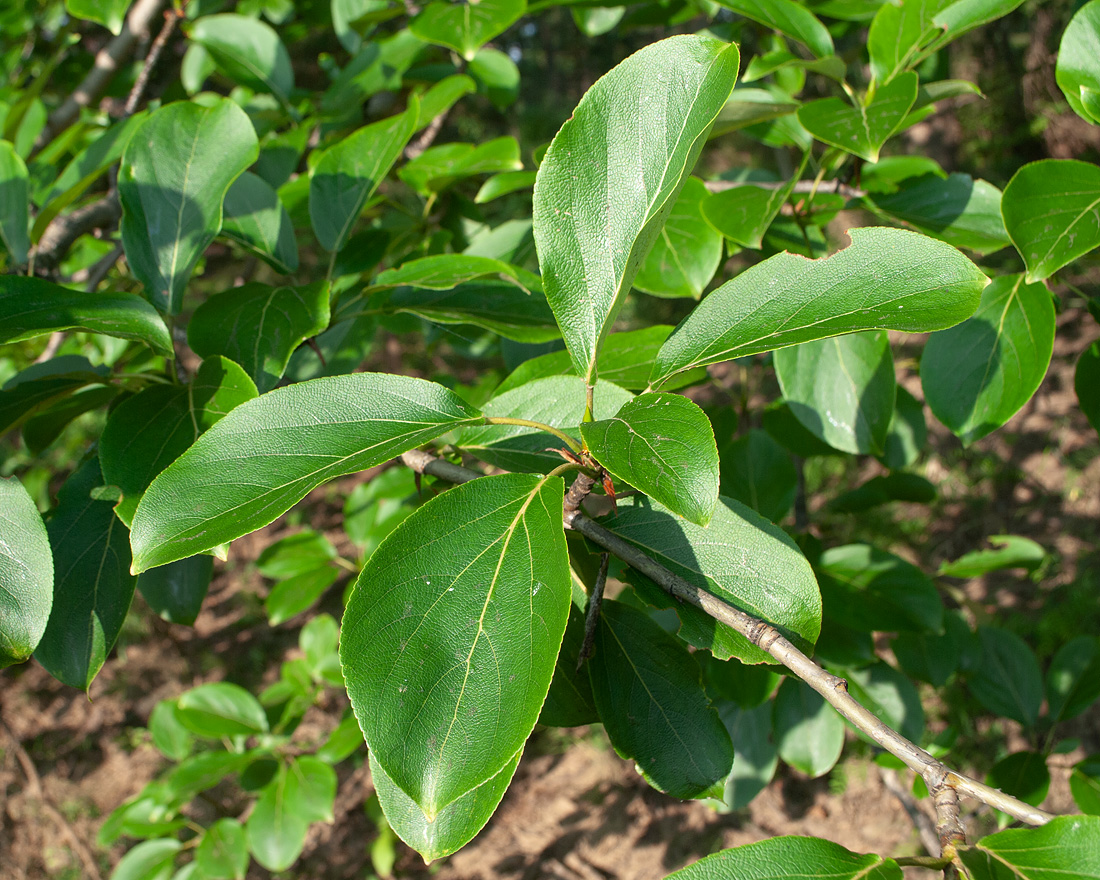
466, 26
662, 444
649, 695
688, 251
788, 18
1044, 853
26, 574
454, 826
1008, 681
15, 202
171, 738
348, 173
808, 732
175, 172
741, 558
888, 279
1049, 209
641, 135
438, 167
109, 13
221, 709
31, 307
222, 854
1078, 67
316, 788
176, 590
780, 857
1013, 551
259, 326
450, 636
254, 217
247, 50
842, 389
263, 458
861, 129
92, 584
147, 432
276, 828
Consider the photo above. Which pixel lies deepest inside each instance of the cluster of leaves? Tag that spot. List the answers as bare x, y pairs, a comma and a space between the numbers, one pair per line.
465, 623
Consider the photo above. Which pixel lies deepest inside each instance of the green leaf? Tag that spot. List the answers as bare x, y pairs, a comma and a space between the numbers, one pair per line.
662, 444
907, 434
1065, 845
1084, 784
687, 252
741, 558
890, 696
569, 701
175, 591
442, 96
955, 19
31, 307
319, 640
744, 212
1023, 775
259, 326
888, 279
147, 432
861, 129
878, 592
977, 375
175, 172
297, 593
1008, 681
1077, 70
557, 401
15, 199
747, 686
47, 422
344, 741
295, 554
883, 490
466, 26
842, 389
39, 386
246, 50
149, 860
171, 738
438, 167
1086, 382
595, 221
450, 636
597, 21
748, 107
757, 758
649, 695
380, 65
316, 788
501, 184
1073, 679
759, 473
109, 13
221, 709
276, 828
26, 574
254, 217
896, 36
778, 60
962, 211
808, 732
497, 76
788, 18
1050, 212
222, 854
262, 458
777, 858
1013, 551
376, 508
92, 585
453, 826
498, 306
447, 271
931, 658
347, 174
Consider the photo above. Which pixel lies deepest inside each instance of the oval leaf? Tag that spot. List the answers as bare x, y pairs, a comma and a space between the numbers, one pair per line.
808, 731
277, 827
255, 218
1066, 845
263, 458
662, 444
15, 199
222, 854
466, 26
450, 637
1073, 679
221, 709
649, 694
174, 175
1008, 681
688, 251
596, 219
26, 574
176, 590
1078, 68
888, 279
788, 18
1086, 382
247, 50
783, 857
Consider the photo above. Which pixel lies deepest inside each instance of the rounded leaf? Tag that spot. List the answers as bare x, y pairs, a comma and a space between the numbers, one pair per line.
26, 574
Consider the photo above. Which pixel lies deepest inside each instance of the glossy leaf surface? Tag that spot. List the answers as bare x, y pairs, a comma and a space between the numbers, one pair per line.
662, 444
863, 129
775, 859
977, 375
808, 732
465, 26
450, 637
92, 583
641, 135
888, 279
175, 172
26, 574
739, 557
454, 826
31, 307
255, 218
686, 254
1078, 67
842, 389
648, 692
1050, 212
268, 453
221, 709
1038, 853
259, 327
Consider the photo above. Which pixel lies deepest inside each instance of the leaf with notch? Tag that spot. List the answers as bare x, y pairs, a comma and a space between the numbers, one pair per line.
861, 129
450, 637
613, 173
26, 574
263, 457
466, 26
889, 279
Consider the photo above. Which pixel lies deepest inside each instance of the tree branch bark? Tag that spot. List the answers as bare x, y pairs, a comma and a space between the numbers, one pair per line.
834, 689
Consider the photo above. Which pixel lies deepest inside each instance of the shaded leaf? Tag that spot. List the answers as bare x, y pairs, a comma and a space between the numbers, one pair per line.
687, 252
808, 732
247, 50
500, 307
1013, 551
759, 473
26, 574
1008, 681
1073, 679
255, 218
176, 590
1023, 775
15, 201
1086, 382
757, 758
